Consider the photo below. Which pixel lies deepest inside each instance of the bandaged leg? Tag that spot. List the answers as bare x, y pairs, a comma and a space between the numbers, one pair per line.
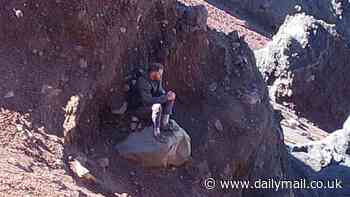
156, 118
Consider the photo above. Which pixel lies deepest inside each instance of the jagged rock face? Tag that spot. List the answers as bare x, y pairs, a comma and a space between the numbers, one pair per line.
306, 65
346, 125
65, 62
237, 97
274, 12
320, 154
327, 159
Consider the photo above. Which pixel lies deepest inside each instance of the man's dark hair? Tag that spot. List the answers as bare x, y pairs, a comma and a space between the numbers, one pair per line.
155, 67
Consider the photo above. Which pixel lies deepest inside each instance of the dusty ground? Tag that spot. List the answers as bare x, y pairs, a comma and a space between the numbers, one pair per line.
32, 161
35, 164
227, 19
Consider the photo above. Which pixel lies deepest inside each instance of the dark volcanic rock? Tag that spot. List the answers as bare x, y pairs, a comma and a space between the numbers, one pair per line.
65, 62
306, 65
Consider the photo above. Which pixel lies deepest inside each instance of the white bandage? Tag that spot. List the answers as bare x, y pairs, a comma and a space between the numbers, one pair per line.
156, 108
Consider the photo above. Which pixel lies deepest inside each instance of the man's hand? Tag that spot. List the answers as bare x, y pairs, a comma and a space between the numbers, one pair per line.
171, 96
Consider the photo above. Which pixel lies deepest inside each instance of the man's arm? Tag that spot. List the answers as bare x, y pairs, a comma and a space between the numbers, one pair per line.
146, 95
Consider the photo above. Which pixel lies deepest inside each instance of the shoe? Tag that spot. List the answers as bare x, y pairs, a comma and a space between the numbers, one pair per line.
167, 127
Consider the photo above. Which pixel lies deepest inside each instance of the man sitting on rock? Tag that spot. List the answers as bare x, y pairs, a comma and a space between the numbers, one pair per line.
156, 103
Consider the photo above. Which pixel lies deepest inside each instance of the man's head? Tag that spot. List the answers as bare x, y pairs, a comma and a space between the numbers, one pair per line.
155, 71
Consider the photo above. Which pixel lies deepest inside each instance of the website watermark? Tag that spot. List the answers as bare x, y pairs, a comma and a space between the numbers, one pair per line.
277, 185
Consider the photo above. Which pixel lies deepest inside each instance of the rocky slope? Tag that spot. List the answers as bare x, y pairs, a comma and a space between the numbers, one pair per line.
64, 63
272, 13
306, 66
32, 161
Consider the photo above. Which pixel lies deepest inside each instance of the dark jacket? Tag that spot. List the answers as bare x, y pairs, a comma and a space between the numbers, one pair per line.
151, 92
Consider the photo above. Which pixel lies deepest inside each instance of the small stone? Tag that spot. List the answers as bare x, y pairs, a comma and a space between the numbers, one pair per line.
311, 78
90, 96
83, 63
19, 127
165, 22
139, 18
227, 170
133, 126
46, 89
123, 29
18, 13
139, 126
9, 94
132, 173
213, 87
121, 110
135, 119
218, 125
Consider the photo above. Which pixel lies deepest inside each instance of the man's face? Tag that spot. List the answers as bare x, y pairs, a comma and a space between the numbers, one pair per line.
156, 75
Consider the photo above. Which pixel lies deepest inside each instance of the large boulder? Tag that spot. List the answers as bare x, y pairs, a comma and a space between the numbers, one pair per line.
142, 147
273, 12
306, 67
